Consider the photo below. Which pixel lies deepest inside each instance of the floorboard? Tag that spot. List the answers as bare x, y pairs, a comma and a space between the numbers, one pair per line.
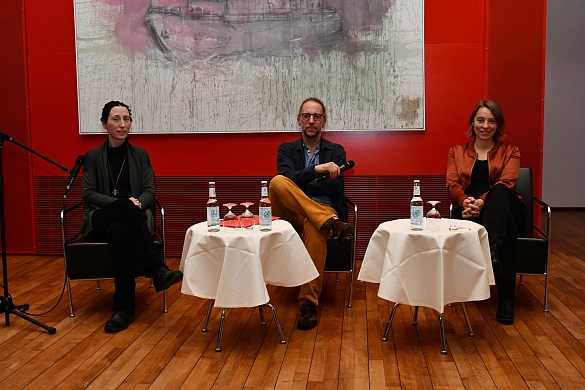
541, 350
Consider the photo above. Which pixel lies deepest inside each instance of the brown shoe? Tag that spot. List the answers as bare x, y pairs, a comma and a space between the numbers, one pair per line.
339, 229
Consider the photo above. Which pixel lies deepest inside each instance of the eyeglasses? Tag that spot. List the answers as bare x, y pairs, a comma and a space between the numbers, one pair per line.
306, 116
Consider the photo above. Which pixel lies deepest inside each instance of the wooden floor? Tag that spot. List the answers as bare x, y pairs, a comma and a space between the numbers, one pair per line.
540, 351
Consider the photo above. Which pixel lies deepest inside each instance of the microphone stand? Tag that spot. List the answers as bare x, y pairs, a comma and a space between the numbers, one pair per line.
6, 304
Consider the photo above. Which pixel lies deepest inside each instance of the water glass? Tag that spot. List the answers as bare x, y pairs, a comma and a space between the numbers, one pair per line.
247, 217
230, 220
433, 216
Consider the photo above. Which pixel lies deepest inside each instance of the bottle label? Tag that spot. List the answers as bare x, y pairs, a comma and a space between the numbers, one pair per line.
416, 215
416, 191
264, 192
265, 216
213, 216
212, 192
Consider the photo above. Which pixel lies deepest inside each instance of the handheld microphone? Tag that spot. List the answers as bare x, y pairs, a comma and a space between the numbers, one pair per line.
343, 167
74, 172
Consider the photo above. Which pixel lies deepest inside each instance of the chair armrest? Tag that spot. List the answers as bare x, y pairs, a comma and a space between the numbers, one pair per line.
160, 229
161, 211
160, 207
348, 200
71, 208
545, 231
355, 212
64, 213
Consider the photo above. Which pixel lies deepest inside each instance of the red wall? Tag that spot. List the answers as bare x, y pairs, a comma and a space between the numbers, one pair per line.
473, 50
16, 162
515, 74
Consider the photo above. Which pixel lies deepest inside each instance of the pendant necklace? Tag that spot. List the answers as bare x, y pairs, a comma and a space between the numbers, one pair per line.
115, 191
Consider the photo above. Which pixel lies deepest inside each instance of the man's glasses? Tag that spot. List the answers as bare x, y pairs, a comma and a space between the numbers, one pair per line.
306, 116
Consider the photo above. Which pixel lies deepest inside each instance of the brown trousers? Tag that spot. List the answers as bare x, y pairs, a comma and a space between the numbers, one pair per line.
290, 203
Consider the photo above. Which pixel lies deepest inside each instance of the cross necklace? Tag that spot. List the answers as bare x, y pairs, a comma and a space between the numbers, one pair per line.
115, 191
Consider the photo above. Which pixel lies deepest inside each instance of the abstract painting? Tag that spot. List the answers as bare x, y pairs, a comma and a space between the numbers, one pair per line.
187, 66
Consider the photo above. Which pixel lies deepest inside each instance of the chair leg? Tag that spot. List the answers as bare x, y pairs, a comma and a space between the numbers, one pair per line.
389, 324
97, 285
278, 327
69, 294
415, 316
546, 292
165, 309
207, 316
545, 299
467, 323
350, 289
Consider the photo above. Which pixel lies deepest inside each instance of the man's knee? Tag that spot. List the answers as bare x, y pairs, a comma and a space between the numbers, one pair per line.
279, 182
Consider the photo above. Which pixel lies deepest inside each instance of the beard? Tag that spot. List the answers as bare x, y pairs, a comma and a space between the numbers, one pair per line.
315, 134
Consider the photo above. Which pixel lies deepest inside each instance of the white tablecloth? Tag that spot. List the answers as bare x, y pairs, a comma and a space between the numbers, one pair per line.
233, 267
430, 268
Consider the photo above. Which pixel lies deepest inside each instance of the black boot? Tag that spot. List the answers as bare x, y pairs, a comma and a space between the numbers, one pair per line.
506, 295
496, 264
505, 313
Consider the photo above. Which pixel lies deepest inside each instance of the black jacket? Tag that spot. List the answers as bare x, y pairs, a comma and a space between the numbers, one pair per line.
96, 182
290, 162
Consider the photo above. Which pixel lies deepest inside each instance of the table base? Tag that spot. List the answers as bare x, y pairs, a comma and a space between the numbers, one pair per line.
222, 321
441, 326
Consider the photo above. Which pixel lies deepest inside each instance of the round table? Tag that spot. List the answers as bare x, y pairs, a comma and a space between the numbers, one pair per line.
233, 266
432, 267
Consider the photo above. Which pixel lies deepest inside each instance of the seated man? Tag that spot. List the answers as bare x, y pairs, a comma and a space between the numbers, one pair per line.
308, 193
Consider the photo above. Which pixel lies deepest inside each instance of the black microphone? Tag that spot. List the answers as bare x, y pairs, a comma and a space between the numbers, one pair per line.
343, 167
74, 172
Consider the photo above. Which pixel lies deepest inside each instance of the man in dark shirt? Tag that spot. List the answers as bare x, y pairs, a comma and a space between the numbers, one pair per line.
308, 193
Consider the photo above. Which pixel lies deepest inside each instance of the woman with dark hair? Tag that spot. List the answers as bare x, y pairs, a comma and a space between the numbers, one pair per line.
481, 175
118, 190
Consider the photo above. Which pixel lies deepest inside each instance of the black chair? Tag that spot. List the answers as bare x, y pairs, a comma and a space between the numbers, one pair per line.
533, 247
532, 250
341, 255
89, 259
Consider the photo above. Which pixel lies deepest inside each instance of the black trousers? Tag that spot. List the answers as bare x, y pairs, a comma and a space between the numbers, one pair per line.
124, 227
503, 216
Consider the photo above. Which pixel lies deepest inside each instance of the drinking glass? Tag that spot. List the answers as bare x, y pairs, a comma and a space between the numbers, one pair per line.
230, 220
247, 217
433, 216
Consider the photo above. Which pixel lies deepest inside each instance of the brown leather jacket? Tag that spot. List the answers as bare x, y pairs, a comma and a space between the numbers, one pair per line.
503, 163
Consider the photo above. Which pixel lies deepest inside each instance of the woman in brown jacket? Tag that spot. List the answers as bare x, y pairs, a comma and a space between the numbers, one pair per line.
481, 175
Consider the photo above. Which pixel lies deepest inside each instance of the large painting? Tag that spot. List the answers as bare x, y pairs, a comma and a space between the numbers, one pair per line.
187, 66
